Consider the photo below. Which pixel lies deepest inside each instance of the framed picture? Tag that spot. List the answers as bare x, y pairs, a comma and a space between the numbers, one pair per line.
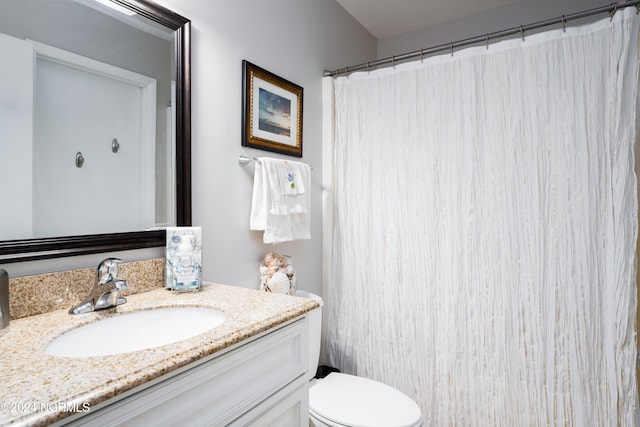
271, 112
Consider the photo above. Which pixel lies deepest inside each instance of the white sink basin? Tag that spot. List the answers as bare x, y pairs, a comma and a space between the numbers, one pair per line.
139, 330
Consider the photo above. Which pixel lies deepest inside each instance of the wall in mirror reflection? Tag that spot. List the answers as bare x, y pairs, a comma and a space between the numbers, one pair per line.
81, 76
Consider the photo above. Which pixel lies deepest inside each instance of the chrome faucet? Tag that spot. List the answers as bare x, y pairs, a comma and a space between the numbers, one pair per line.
106, 289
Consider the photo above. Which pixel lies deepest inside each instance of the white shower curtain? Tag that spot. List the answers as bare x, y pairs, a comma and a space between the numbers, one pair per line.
484, 225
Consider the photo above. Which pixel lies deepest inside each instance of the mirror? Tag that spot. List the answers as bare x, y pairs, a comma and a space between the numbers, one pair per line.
46, 213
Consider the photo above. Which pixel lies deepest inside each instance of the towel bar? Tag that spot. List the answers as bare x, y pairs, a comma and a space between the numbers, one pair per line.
244, 160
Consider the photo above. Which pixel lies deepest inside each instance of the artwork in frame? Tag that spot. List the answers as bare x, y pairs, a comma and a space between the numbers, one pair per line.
271, 112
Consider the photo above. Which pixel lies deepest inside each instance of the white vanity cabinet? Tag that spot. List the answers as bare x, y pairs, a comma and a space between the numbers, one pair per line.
262, 381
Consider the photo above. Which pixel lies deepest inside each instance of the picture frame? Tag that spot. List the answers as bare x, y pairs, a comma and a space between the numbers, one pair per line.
271, 111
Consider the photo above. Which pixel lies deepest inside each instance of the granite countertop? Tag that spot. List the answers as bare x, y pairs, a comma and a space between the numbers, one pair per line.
36, 388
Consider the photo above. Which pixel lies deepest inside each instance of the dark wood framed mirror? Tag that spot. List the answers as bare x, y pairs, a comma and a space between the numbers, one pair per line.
71, 245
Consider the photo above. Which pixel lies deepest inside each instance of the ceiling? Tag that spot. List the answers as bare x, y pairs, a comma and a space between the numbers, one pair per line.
387, 18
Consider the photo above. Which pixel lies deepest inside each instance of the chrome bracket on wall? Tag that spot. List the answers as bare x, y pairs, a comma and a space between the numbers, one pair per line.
115, 145
79, 159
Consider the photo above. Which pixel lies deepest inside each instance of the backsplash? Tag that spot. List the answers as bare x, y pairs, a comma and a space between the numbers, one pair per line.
43, 293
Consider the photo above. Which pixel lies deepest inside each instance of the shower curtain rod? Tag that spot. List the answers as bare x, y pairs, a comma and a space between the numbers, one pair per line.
611, 8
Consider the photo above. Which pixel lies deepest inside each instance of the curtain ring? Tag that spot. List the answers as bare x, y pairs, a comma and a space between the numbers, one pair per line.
368, 67
451, 48
422, 56
487, 38
393, 61
522, 32
615, 9
564, 24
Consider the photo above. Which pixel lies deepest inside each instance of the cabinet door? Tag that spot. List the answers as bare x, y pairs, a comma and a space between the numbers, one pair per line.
221, 390
288, 411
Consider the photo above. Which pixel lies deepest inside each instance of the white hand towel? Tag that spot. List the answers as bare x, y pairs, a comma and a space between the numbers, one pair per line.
286, 186
260, 200
280, 202
291, 178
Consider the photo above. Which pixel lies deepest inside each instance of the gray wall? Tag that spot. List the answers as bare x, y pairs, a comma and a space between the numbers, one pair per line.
295, 39
521, 13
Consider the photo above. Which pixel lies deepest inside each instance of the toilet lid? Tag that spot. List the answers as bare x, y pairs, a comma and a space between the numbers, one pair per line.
358, 402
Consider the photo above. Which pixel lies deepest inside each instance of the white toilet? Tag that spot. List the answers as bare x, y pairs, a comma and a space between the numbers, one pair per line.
341, 400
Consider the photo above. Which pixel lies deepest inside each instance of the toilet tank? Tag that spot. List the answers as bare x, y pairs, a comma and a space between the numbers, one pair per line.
315, 331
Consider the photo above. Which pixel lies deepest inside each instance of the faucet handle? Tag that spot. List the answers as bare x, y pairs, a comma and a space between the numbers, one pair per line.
108, 270
121, 285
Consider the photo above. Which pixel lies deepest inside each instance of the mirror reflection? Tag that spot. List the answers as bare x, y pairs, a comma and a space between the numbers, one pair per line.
87, 120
